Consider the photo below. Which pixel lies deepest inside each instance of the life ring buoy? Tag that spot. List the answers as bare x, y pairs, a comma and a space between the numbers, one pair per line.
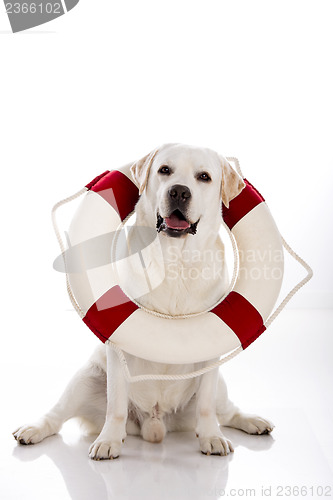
236, 321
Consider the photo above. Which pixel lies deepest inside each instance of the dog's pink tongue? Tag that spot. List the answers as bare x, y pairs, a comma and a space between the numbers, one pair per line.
173, 222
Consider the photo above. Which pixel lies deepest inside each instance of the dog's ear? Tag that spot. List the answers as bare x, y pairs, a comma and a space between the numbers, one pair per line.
232, 182
140, 170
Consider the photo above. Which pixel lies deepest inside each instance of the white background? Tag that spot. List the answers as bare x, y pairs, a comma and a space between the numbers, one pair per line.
108, 82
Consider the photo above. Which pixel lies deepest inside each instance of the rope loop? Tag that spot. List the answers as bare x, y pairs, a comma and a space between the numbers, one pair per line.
152, 376
215, 364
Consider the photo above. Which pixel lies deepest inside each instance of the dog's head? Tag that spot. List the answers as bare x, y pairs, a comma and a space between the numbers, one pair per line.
181, 188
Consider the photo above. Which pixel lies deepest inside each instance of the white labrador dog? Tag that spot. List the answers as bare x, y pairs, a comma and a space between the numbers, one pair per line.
181, 190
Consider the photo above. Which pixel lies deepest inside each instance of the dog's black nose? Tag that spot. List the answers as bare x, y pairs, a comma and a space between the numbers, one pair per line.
179, 193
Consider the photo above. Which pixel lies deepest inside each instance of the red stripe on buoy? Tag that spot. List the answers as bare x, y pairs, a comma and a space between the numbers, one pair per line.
242, 317
96, 179
118, 190
241, 205
109, 312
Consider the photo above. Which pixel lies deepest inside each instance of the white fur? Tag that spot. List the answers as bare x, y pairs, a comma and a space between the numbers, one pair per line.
151, 409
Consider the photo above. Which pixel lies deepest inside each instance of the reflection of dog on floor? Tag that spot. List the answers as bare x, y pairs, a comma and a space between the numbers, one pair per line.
181, 190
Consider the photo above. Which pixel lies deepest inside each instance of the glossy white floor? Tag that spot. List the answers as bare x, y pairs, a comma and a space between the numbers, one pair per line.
285, 376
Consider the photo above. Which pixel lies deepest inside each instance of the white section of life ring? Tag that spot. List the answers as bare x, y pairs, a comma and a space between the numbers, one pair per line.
261, 261
174, 341
94, 217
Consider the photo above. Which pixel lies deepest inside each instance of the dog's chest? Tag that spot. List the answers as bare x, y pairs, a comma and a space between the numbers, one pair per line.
176, 284
170, 395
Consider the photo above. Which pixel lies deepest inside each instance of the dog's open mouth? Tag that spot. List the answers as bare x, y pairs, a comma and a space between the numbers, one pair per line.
176, 224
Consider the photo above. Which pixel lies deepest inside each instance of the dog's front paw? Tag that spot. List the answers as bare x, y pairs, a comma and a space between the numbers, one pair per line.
104, 450
215, 445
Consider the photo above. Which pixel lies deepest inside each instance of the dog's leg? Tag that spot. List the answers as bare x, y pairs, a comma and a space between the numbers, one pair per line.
230, 415
210, 436
108, 443
85, 386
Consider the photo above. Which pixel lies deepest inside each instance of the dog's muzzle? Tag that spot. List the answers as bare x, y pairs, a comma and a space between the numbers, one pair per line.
175, 224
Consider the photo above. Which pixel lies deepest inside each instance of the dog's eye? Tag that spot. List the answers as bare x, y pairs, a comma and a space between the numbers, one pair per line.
204, 177
164, 170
